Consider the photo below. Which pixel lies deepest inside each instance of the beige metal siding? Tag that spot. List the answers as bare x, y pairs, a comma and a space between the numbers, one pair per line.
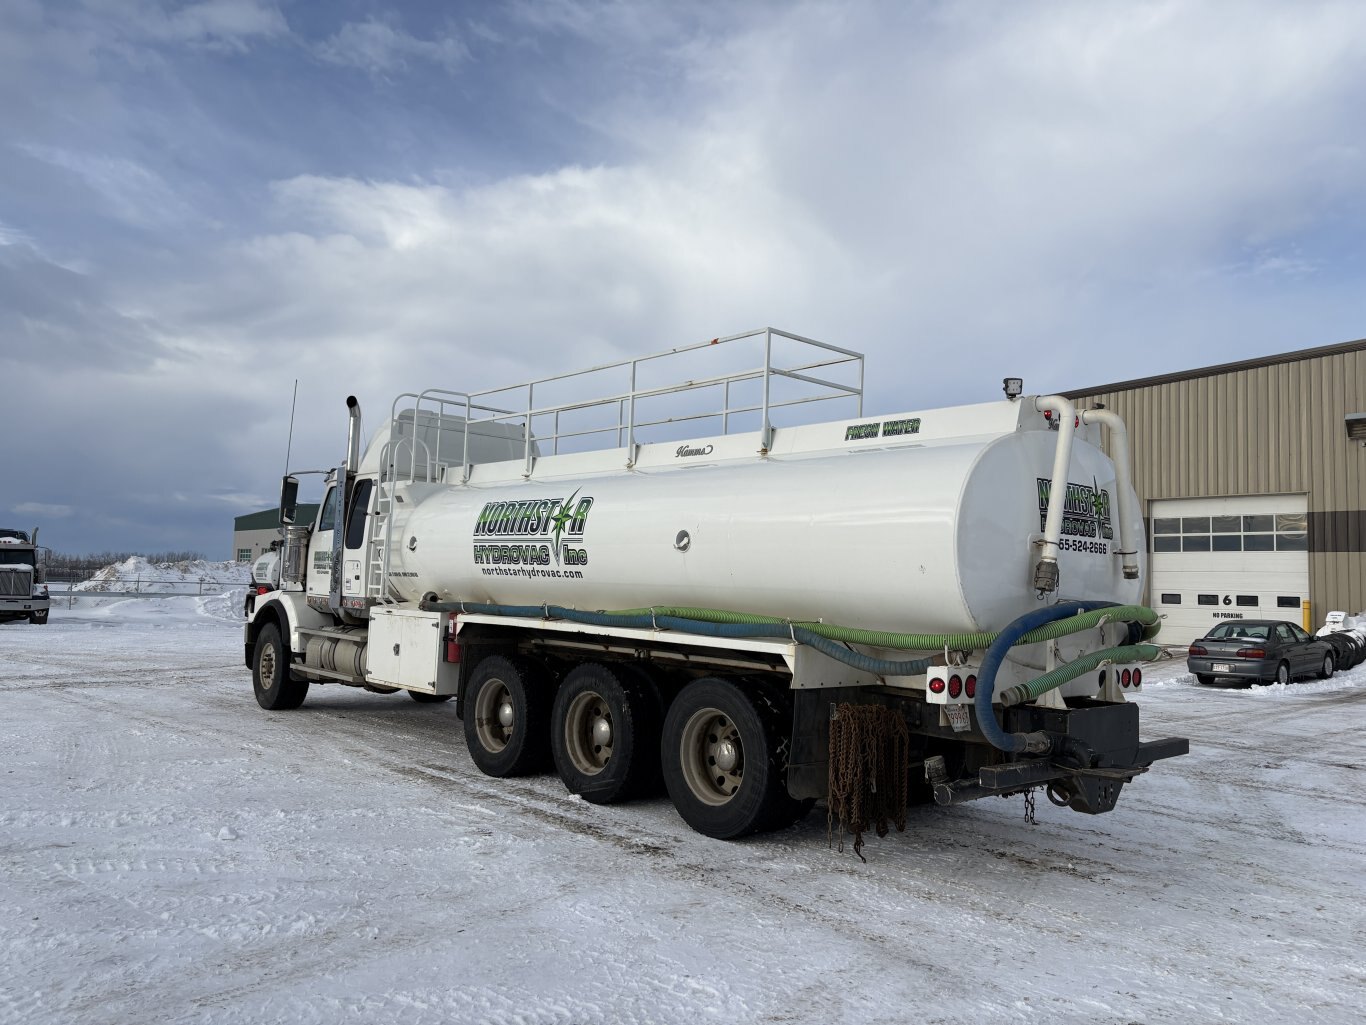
1263, 430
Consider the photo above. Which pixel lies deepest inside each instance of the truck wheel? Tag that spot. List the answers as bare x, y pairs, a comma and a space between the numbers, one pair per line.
39, 617
507, 715
604, 733
723, 758
428, 699
276, 689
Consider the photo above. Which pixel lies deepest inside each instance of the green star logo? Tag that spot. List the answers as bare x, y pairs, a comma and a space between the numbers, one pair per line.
561, 520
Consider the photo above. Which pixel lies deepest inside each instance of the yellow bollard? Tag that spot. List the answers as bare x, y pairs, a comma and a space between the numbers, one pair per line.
1308, 616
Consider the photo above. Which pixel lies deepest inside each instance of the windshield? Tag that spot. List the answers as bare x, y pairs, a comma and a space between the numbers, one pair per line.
1227, 631
13, 557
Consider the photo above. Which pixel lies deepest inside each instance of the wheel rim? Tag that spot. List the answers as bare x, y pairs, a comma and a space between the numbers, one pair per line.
268, 667
1327, 665
588, 733
495, 717
711, 756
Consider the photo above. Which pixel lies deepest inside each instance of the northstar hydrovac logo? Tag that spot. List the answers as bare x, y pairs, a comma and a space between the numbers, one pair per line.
533, 532
1086, 509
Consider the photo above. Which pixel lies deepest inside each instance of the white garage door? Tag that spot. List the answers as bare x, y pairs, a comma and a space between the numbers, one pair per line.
1227, 558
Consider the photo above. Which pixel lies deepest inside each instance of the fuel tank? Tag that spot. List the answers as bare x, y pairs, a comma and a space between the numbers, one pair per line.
924, 521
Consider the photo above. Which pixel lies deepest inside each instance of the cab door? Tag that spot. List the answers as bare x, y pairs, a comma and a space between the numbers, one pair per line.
320, 548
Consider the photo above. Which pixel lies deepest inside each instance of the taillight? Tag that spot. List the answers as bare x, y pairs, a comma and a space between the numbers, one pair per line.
452, 641
1126, 678
937, 685
262, 589
955, 686
1251, 653
1197, 649
970, 686
1138, 677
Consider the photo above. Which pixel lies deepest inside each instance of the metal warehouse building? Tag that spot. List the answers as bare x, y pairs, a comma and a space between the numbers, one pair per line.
1250, 479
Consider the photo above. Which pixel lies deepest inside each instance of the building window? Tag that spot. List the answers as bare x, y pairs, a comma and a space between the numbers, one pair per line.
1208, 599
1287, 602
1247, 601
244, 555
1279, 532
1171, 599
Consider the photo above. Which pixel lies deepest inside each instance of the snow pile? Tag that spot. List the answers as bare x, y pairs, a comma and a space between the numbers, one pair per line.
189, 577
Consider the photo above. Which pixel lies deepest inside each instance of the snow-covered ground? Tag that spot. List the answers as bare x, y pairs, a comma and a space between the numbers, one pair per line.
171, 852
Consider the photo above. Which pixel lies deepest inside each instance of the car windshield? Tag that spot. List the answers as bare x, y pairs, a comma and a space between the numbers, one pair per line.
1228, 631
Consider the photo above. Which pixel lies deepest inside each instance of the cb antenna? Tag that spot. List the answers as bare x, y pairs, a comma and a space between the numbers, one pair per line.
290, 443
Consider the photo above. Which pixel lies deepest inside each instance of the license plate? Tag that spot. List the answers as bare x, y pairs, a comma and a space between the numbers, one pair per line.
958, 717
1222, 667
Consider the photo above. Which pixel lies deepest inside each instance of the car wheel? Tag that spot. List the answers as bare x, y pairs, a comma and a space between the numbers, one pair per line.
1283, 673
1327, 669
1204, 678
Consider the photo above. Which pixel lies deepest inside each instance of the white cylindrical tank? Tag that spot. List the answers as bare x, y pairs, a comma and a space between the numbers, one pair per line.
935, 538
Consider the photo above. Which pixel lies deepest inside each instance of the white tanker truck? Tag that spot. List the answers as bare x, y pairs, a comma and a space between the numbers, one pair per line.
938, 604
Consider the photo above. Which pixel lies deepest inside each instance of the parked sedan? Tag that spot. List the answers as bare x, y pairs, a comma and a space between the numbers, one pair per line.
1259, 651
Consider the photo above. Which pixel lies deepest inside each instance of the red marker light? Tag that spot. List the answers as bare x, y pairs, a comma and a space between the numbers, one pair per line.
1126, 678
937, 685
955, 686
970, 686
1138, 677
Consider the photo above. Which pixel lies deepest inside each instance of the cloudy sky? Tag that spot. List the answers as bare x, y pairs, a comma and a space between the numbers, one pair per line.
201, 202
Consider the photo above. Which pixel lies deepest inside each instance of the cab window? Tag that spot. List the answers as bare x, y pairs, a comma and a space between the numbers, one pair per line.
327, 519
355, 521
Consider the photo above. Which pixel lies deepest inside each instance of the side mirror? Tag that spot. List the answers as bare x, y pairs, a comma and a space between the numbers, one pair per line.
289, 500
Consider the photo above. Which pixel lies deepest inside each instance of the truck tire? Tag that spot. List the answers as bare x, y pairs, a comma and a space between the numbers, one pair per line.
604, 733
276, 688
724, 758
423, 698
39, 617
507, 716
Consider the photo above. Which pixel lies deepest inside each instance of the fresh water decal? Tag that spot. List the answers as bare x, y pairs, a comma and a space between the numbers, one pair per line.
525, 538
1086, 525
884, 429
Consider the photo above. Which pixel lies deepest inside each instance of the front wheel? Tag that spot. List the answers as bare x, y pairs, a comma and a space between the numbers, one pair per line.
1326, 670
276, 689
724, 760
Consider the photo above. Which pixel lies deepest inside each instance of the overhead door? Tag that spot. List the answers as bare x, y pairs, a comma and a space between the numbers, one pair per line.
1215, 559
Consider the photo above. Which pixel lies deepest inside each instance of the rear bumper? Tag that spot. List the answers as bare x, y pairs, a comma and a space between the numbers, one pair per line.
1238, 669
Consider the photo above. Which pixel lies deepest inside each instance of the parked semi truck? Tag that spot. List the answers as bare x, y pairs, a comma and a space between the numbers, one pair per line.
23, 581
935, 604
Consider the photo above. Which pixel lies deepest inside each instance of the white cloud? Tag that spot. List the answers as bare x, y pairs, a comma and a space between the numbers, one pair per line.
212, 24
378, 48
41, 509
131, 191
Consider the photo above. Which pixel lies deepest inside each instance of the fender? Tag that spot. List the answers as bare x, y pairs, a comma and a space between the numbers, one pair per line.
290, 611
